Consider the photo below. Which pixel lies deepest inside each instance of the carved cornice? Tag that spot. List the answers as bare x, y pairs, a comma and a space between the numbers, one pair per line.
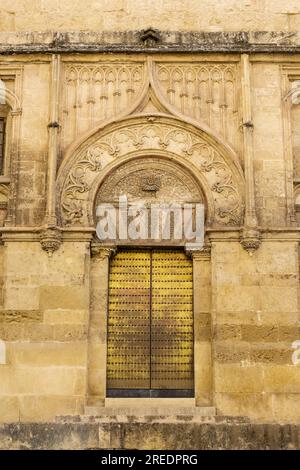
169, 41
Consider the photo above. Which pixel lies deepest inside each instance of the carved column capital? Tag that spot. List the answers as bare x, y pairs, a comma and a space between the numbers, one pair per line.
101, 252
51, 240
200, 254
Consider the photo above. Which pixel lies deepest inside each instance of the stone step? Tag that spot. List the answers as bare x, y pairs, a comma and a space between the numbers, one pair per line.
141, 403
149, 411
77, 432
118, 417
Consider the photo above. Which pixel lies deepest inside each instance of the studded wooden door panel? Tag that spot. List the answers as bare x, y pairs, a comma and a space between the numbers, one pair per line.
171, 321
128, 347
150, 321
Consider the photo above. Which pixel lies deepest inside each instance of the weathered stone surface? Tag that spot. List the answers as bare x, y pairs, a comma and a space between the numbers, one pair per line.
20, 316
171, 41
211, 102
218, 436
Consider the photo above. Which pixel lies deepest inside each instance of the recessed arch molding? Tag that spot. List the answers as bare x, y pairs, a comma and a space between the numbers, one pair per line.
155, 135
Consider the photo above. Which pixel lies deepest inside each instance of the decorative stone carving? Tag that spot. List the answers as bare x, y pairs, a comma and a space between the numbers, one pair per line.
94, 92
250, 240
51, 240
204, 91
150, 37
150, 180
150, 184
100, 252
165, 137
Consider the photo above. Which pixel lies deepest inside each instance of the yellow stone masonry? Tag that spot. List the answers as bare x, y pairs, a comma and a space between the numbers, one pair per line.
178, 15
74, 121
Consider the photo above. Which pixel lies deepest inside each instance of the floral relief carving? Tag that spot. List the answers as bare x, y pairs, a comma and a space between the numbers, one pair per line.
150, 180
150, 183
164, 135
222, 185
78, 182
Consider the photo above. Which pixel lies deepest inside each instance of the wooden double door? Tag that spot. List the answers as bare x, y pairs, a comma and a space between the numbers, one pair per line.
150, 338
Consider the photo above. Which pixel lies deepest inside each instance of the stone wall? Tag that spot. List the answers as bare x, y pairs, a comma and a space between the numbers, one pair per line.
250, 303
183, 90
256, 315
183, 15
44, 323
224, 434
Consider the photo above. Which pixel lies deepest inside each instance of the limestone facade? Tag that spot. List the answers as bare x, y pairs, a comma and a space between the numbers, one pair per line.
218, 107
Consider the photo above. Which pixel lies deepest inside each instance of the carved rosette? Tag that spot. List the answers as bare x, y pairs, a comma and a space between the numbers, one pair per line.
163, 136
51, 240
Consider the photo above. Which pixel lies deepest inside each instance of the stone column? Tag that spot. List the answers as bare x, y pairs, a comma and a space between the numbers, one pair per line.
51, 236
53, 127
14, 145
98, 324
250, 236
202, 326
289, 94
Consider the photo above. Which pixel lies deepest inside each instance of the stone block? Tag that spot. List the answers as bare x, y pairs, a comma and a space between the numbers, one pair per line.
237, 298
282, 379
47, 407
47, 354
286, 407
259, 333
281, 299
257, 406
63, 297
9, 408
231, 378
65, 316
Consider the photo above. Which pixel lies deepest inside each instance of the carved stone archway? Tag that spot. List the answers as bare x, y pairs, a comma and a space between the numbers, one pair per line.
151, 179
156, 135
150, 182
208, 171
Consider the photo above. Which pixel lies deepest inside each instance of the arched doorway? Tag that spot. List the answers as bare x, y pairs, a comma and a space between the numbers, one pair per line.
154, 156
150, 323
